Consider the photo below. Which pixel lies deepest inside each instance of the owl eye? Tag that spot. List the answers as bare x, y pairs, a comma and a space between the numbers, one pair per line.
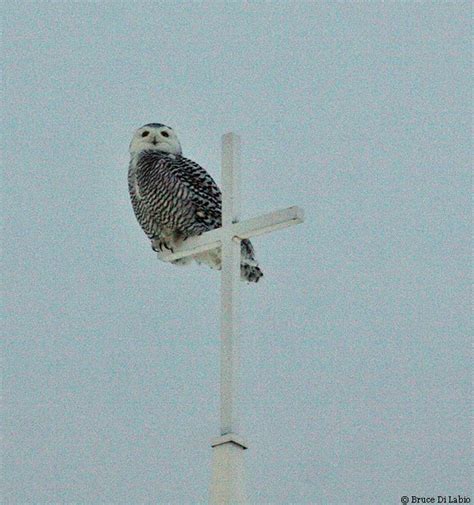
165, 134
144, 134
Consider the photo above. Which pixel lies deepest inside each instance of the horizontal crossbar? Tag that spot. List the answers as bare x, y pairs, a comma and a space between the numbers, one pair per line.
244, 229
268, 222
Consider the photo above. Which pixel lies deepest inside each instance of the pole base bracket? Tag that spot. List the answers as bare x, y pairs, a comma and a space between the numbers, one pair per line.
229, 438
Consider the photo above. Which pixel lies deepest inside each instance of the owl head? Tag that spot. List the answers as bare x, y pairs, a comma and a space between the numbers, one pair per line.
155, 137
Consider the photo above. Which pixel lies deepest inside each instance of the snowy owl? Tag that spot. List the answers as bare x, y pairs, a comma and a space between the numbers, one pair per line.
174, 198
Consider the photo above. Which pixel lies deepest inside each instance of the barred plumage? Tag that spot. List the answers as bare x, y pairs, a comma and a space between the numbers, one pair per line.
174, 198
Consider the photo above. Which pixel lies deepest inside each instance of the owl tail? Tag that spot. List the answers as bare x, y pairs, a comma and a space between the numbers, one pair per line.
249, 269
250, 273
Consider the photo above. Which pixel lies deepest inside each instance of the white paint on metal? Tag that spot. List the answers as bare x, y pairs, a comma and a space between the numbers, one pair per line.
267, 223
230, 279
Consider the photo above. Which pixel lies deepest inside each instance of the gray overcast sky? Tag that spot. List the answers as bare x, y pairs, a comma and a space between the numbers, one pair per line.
356, 369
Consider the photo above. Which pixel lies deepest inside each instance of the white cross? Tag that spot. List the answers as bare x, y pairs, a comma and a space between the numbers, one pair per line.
227, 483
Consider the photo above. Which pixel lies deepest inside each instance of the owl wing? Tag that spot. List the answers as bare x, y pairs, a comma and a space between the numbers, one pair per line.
204, 191
178, 193
166, 198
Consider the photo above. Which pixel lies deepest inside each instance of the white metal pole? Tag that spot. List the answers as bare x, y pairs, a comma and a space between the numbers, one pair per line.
230, 278
228, 479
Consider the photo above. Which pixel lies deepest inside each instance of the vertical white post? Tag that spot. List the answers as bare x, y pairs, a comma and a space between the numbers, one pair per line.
228, 480
230, 277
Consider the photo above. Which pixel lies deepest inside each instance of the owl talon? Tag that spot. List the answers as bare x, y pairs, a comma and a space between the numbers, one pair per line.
161, 247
